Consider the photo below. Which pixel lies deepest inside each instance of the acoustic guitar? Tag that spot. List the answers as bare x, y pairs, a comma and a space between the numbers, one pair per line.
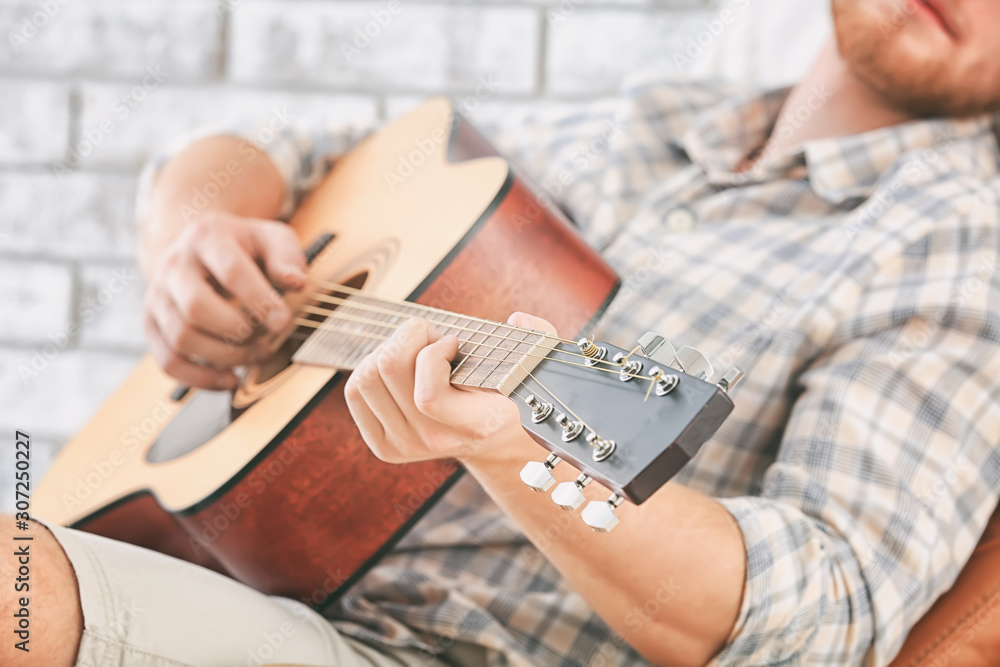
272, 484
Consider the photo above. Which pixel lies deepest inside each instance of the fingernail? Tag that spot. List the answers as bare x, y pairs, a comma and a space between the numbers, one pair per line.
276, 319
294, 272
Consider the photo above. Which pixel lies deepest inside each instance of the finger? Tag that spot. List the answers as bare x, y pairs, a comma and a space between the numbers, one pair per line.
526, 321
368, 424
232, 266
179, 368
277, 246
202, 307
435, 397
396, 361
397, 431
190, 342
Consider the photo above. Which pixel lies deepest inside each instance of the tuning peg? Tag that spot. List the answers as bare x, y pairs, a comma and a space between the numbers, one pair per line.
540, 410
664, 382
657, 348
601, 515
593, 353
571, 429
732, 378
569, 495
694, 363
538, 474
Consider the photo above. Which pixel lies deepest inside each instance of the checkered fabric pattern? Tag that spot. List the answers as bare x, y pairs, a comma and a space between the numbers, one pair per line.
854, 279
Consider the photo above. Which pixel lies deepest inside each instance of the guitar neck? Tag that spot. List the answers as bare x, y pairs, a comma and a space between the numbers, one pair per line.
346, 327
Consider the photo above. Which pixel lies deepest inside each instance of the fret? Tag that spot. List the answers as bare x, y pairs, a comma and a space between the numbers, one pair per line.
500, 345
477, 350
507, 364
359, 324
465, 341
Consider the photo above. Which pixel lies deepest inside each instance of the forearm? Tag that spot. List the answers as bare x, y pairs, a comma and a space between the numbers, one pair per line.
217, 173
669, 579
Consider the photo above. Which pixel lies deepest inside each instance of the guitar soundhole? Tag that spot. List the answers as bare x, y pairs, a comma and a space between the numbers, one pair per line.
207, 413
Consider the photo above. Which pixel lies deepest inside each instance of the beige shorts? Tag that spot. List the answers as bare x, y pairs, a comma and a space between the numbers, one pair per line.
146, 609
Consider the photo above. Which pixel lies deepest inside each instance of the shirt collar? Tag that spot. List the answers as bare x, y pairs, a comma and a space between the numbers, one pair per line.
838, 168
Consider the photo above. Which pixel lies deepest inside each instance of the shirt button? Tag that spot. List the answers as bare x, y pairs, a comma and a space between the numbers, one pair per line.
679, 219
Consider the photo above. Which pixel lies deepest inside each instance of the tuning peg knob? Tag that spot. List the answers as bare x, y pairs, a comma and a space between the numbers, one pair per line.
694, 363
538, 474
732, 378
657, 348
569, 495
601, 515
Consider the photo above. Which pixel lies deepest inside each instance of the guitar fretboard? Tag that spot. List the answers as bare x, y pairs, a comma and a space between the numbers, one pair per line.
491, 356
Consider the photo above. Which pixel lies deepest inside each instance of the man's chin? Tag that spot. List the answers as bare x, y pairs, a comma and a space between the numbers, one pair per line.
903, 67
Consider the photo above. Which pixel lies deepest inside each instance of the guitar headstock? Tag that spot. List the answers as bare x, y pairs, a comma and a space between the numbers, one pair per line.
628, 419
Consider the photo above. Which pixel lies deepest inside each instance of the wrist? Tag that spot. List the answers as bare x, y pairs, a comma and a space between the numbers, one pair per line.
498, 456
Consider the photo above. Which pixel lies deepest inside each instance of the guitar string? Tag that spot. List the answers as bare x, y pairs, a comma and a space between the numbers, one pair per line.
336, 313
349, 290
336, 287
367, 334
494, 370
351, 303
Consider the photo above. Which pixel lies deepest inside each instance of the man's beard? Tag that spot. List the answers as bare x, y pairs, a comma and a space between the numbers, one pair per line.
915, 84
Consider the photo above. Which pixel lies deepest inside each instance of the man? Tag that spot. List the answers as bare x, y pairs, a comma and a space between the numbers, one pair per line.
839, 240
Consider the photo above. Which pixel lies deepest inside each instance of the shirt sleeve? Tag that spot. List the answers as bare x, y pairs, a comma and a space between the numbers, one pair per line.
303, 154
888, 469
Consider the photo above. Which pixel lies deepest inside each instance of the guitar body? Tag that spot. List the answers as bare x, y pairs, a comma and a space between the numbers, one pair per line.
273, 484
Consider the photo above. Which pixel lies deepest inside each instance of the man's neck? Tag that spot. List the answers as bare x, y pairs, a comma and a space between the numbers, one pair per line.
830, 102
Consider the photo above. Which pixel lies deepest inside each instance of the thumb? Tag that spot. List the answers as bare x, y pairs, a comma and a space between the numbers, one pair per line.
526, 321
277, 246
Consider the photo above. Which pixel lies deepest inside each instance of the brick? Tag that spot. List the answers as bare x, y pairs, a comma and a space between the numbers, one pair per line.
110, 307
579, 63
423, 48
784, 42
35, 299
81, 215
34, 121
55, 397
170, 112
114, 38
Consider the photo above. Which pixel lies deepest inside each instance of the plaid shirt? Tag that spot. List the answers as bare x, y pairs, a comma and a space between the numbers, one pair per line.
854, 279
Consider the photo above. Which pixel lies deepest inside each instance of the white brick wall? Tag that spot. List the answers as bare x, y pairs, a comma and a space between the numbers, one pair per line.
97, 85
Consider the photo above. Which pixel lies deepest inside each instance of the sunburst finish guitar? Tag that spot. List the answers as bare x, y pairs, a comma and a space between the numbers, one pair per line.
273, 485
